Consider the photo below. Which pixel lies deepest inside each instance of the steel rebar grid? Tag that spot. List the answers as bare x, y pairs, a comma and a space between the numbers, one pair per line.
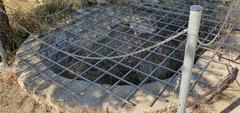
118, 49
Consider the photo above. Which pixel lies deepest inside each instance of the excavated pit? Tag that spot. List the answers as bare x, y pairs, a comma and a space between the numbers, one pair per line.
137, 31
152, 59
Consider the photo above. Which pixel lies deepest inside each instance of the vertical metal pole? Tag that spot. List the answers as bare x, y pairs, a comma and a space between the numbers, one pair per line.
190, 49
3, 55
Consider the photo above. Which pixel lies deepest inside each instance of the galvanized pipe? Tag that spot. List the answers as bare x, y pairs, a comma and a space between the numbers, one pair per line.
190, 49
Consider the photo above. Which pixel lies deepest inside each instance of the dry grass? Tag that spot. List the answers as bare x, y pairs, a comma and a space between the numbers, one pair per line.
27, 14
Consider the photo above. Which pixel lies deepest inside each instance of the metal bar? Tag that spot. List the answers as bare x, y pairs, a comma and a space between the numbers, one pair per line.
193, 30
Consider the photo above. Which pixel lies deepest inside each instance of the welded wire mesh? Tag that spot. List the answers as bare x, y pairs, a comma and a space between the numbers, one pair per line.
111, 30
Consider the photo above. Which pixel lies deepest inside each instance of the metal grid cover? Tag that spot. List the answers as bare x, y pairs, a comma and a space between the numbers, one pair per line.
109, 30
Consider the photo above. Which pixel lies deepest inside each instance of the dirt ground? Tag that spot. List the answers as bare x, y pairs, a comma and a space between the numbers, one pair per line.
13, 99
